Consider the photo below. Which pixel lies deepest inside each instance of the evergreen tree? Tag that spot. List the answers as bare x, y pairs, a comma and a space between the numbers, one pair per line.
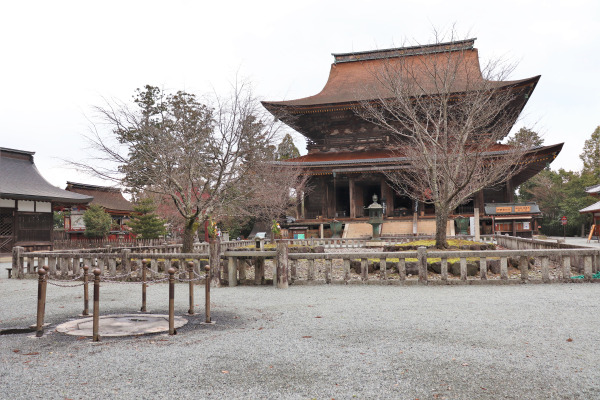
526, 137
145, 224
97, 222
591, 153
287, 149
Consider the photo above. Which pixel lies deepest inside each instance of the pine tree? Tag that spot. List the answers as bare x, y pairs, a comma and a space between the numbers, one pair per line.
526, 137
145, 224
97, 222
287, 149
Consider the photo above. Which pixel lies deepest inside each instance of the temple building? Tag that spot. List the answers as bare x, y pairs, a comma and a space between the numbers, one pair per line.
348, 155
27, 201
109, 198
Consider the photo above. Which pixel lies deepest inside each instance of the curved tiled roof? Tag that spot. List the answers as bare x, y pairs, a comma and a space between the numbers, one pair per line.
107, 197
21, 180
355, 77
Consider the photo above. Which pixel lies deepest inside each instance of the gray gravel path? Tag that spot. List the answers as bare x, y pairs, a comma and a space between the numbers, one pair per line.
316, 342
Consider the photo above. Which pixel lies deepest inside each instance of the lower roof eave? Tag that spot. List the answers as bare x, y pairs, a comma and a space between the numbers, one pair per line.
13, 196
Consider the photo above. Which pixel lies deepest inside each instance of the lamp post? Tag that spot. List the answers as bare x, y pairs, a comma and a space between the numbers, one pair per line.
376, 217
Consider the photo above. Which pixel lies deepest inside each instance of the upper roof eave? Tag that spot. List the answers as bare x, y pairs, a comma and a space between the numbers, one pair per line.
312, 103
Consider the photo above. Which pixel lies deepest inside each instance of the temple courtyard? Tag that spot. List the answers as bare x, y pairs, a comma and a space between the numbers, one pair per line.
529, 341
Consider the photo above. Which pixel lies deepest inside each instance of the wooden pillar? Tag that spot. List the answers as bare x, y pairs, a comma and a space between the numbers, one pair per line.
415, 217
352, 202
510, 195
324, 203
334, 198
387, 194
478, 201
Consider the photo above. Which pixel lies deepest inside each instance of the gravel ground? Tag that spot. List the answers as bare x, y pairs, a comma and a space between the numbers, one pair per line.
315, 342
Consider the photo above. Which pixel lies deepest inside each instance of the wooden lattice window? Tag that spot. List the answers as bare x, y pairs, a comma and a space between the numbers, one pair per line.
6, 230
34, 227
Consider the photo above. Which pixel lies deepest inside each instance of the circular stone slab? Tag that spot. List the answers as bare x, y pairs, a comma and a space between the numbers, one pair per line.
121, 325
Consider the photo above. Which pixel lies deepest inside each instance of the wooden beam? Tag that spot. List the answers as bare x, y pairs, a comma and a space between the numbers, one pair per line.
352, 202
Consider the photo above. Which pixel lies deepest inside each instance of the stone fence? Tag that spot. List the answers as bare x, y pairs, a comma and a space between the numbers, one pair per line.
240, 262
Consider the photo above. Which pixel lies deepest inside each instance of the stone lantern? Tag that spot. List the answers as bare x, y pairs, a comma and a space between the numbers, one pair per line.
376, 217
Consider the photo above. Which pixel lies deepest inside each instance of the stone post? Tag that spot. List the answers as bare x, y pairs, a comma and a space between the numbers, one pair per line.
476, 223
231, 271
17, 262
422, 257
282, 265
214, 261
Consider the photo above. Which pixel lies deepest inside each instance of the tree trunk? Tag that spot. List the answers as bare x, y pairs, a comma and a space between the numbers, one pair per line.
441, 224
188, 236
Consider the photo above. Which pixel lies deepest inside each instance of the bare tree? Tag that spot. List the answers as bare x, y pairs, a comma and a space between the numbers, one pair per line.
446, 116
276, 187
198, 155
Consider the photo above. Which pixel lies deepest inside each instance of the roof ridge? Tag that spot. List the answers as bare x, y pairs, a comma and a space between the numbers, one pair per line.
458, 45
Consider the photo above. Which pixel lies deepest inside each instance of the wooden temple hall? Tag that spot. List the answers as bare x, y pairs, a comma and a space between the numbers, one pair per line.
347, 155
27, 201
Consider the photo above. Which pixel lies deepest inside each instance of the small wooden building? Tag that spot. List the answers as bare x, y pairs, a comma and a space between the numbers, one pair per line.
594, 210
516, 219
27, 201
113, 202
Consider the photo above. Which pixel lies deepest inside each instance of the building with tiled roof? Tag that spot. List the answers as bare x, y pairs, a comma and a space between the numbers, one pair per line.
109, 198
27, 201
348, 155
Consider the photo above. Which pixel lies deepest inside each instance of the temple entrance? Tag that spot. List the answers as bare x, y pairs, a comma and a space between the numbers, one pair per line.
403, 206
342, 200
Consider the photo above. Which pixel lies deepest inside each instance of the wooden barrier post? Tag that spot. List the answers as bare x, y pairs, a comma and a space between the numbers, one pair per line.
282, 265
96, 317
422, 257
172, 301
191, 286
144, 285
86, 295
207, 294
41, 306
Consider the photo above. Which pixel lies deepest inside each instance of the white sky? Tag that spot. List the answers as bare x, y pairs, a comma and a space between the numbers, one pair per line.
58, 58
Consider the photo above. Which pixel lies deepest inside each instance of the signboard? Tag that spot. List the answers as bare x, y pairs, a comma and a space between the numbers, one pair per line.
522, 209
77, 222
563, 220
502, 210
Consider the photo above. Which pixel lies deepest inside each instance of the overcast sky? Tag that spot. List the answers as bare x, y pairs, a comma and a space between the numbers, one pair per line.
59, 58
